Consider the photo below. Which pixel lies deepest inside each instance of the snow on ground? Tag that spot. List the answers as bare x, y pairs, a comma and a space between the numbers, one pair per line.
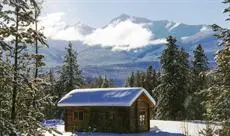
158, 128
61, 132
192, 128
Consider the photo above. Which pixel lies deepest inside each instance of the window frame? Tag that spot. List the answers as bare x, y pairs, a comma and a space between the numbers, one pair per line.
77, 117
142, 118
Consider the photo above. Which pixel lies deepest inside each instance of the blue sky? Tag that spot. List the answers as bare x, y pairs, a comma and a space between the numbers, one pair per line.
97, 13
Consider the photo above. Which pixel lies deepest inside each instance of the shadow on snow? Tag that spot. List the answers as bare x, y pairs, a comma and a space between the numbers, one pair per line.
151, 133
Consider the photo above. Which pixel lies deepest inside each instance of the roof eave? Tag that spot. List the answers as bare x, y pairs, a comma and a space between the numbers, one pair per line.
92, 105
146, 93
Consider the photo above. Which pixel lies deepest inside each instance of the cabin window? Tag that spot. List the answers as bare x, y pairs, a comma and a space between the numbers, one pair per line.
112, 115
109, 115
78, 115
142, 118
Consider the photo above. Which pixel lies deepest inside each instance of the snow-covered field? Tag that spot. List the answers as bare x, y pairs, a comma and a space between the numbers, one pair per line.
158, 128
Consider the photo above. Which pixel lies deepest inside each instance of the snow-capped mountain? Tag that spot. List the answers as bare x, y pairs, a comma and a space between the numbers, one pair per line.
55, 28
124, 32
126, 44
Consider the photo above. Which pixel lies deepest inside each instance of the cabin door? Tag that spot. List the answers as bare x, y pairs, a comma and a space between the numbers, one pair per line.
143, 120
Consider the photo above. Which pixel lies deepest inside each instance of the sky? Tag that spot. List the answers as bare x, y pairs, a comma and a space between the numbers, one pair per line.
98, 13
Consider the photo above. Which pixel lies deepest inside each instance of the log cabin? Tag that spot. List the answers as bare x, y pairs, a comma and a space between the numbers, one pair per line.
121, 110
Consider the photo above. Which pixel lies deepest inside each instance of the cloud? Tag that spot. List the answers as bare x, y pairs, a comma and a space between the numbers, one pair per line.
56, 28
52, 23
159, 41
123, 35
205, 29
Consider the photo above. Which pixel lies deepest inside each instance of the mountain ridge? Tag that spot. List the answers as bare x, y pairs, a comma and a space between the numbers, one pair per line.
122, 32
125, 46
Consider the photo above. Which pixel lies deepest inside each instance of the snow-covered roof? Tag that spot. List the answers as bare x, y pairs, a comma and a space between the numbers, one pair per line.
103, 97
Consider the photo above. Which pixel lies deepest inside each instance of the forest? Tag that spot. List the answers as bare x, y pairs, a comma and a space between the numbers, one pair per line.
184, 88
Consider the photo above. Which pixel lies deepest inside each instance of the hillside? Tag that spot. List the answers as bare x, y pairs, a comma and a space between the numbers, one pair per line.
126, 44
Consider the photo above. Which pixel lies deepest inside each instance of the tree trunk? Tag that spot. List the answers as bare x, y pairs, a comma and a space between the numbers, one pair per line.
36, 45
15, 86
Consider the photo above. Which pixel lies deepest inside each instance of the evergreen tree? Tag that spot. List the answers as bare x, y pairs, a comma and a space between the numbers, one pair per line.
52, 81
200, 62
51, 110
172, 90
5, 95
217, 103
151, 79
37, 57
148, 80
70, 75
102, 82
198, 83
99, 82
26, 98
138, 78
130, 82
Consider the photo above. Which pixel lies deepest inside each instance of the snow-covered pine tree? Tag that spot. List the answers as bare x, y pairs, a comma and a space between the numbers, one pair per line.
183, 80
27, 97
151, 79
70, 75
98, 82
199, 67
148, 79
37, 57
130, 81
102, 82
5, 95
50, 111
139, 79
217, 103
198, 83
51, 79
173, 88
